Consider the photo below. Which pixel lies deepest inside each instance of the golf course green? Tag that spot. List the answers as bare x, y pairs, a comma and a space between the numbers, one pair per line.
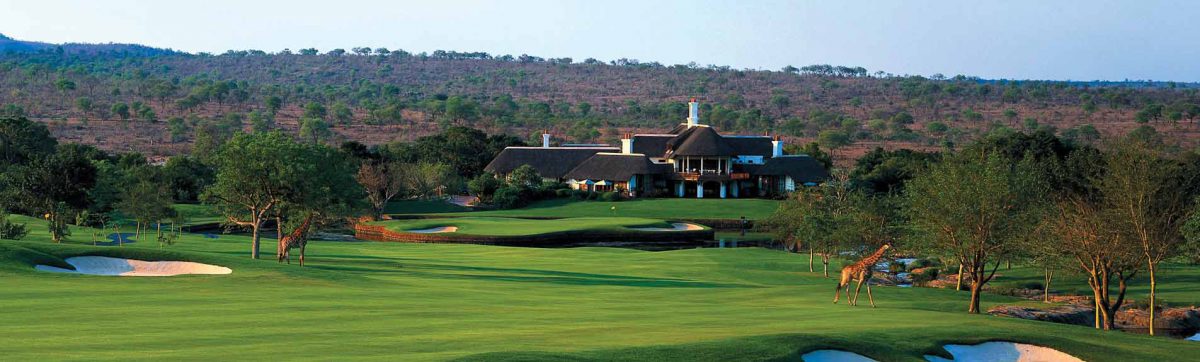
503, 226
472, 302
667, 208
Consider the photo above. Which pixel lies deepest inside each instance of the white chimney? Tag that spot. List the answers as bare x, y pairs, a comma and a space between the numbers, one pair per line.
545, 139
693, 113
627, 144
776, 147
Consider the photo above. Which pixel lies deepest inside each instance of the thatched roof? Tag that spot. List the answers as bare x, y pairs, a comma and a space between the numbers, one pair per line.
801, 168
550, 162
614, 166
653, 145
750, 145
699, 141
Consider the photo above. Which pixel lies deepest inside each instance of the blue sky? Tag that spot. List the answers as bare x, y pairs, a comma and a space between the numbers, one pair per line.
1064, 40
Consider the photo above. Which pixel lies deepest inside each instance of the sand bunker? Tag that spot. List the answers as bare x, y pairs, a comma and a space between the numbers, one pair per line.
675, 226
1003, 352
439, 229
103, 265
833, 355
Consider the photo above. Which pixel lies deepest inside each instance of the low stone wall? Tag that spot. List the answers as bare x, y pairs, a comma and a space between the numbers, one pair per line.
380, 233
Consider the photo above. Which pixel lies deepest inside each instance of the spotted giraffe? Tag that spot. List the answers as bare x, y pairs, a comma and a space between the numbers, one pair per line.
298, 238
860, 271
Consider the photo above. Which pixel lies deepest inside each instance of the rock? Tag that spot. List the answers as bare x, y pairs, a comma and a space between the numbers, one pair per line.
1182, 320
1067, 314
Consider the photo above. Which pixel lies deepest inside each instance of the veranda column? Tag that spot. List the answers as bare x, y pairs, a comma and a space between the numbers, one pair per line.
735, 188
723, 186
699, 189
679, 188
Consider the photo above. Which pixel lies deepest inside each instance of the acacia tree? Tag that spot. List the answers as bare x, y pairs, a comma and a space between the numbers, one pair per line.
975, 209
382, 181
1102, 247
1146, 190
148, 202
254, 172
322, 186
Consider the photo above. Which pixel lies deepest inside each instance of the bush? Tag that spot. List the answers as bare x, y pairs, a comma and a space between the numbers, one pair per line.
1031, 285
609, 196
562, 193
10, 230
896, 266
508, 198
923, 276
923, 263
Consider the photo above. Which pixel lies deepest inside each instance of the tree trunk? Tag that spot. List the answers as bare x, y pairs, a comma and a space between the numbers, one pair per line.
254, 242
1046, 287
158, 234
825, 263
1153, 286
958, 284
810, 259
976, 287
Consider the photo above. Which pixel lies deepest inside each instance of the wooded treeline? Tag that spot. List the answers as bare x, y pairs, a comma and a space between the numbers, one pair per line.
588, 101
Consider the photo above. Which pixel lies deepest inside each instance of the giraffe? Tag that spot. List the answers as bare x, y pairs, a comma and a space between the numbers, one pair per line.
860, 271
298, 238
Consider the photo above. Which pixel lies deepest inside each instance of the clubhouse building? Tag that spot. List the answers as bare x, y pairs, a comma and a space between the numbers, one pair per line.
692, 160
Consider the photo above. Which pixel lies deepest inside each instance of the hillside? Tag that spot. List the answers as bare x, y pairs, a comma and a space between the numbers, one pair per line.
154, 102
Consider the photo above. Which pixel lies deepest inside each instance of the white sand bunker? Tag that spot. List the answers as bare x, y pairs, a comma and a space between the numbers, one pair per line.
675, 226
833, 355
103, 265
439, 229
1003, 352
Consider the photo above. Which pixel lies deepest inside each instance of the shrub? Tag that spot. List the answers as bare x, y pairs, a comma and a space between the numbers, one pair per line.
1031, 285
562, 193
10, 230
896, 266
923, 263
923, 275
508, 197
609, 196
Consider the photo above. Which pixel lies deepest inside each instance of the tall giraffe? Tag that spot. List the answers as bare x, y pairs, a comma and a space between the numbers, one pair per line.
860, 271
298, 238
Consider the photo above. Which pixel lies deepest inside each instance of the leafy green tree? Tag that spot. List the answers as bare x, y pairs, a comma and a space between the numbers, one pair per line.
882, 171
484, 186
10, 230
84, 104
148, 201
315, 130
121, 110
314, 110
525, 177
254, 172
342, 113
22, 140
834, 138
426, 179
273, 104
975, 209
1145, 190
55, 186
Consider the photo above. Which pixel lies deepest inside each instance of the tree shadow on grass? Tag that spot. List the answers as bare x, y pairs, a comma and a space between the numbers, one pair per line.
464, 272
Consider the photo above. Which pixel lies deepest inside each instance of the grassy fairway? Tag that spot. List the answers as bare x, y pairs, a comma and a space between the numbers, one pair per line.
518, 227
650, 208
438, 302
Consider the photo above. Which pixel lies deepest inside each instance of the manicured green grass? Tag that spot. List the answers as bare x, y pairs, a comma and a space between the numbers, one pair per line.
407, 207
199, 214
650, 208
1178, 284
389, 301
502, 226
